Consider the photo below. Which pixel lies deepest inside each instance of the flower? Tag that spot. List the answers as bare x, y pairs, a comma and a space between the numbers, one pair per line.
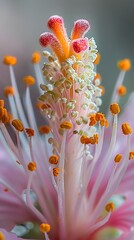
70, 177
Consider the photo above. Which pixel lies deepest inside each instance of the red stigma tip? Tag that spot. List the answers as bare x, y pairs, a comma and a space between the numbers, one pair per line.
80, 45
82, 25
46, 39
53, 20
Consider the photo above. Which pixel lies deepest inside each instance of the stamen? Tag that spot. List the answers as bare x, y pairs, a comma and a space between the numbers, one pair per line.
9, 91
122, 90
18, 125
110, 207
29, 80
54, 159
10, 60
114, 108
118, 158
30, 132
36, 57
124, 64
2, 237
1, 103
126, 129
32, 166
45, 227
131, 155
5, 117
44, 129
56, 171
66, 125
81, 26
97, 60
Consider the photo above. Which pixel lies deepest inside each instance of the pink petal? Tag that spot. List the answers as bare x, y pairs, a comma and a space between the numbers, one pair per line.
10, 236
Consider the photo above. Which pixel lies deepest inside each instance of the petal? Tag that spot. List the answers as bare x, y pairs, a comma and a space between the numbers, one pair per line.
10, 236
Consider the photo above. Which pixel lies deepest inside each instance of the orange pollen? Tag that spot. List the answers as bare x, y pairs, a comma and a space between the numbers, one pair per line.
89, 140
126, 129
131, 155
2, 237
114, 108
66, 125
124, 64
9, 91
97, 76
4, 116
97, 60
56, 171
110, 207
122, 90
36, 57
1, 103
29, 80
10, 60
102, 89
92, 120
44, 129
118, 158
18, 125
99, 116
104, 122
32, 166
45, 227
54, 159
30, 132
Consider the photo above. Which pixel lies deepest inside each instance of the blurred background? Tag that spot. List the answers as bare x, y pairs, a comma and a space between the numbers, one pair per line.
112, 26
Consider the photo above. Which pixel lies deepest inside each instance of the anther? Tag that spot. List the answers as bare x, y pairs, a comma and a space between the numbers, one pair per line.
30, 132
124, 64
56, 171
18, 125
131, 155
54, 159
32, 166
2, 237
1, 103
36, 57
110, 207
93, 120
66, 125
10, 60
9, 91
126, 128
118, 158
45, 227
29, 80
44, 129
122, 90
97, 60
114, 108
5, 116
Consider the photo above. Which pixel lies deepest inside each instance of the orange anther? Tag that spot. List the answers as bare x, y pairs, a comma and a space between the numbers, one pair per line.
30, 132
10, 60
124, 64
66, 125
45, 227
36, 57
131, 155
126, 128
114, 108
29, 80
110, 207
122, 90
5, 116
18, 125
118, 158
97, 60
56, 171
97, 76
32, 166
44, 129
1, 103
54, 159
92, 120
2, 237
99, 116
102, 89
9, 91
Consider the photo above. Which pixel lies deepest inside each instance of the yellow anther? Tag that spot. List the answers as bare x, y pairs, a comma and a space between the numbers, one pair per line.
131, 155
1, 112
114, 108
110, 207
122, 90
56, 171
10, 60
30, 132
126, 128
124, 64
2, 237
66, 125
104, 123
118, 158
1, 103
5, 116
18, 125
97, 60
54, 159
99, 116
36, 57
45, 227
84, 140
89, 140
9, 91
92, 120
29, 80
44, 129
32, 166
